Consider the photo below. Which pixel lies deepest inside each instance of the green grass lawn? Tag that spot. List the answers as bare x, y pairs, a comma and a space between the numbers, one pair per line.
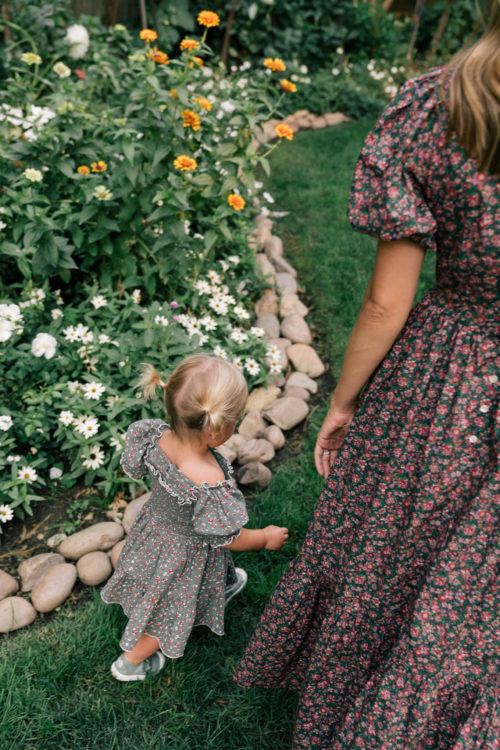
55, 687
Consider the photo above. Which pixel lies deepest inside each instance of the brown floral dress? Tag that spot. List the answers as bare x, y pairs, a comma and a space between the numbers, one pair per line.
173, 570
386, 624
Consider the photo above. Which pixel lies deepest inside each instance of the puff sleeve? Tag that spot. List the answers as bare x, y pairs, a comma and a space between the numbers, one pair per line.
220, 513
138, 439
388, 198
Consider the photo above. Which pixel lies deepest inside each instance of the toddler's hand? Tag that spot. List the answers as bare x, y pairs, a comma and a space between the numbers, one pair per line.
275, 536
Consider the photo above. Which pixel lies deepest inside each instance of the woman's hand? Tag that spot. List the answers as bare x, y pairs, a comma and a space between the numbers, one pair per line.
275, 537
330, 438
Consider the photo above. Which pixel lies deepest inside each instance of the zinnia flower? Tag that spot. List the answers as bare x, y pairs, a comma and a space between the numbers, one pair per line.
95, 459
148, 35
287, 85
62, 70
173, 93
185, 163
31, 58
204, 103
6, 422
275, 64
161, 58
44, 345
6, 513
102, 193
190, 119
284, 131
196, 60
83, 169
236, 201
80, 73
189, 44
77, 37
208, 18
33, 175
99, 166
27, 474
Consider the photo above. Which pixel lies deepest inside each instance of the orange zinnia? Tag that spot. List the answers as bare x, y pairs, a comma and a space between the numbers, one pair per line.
189, 44
99, 166
204, 103
197, 60
159, 57
83, 170
236, 201
190, 119
284, 131
185, 163
275, 64
208, 18
148, 35
288, 85
173, 93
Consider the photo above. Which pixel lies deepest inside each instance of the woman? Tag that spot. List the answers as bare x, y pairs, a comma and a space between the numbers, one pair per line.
385, 622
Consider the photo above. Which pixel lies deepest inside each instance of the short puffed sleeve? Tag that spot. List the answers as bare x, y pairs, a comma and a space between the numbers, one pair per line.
220, 513
388, 192
139, 438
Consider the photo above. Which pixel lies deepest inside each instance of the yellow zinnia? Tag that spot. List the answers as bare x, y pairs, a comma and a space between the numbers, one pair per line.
204, 103
236, 201
99, 166
284, 131
189, 44
185, 163
288, 85
275, 64
208, 18
83, 169
190, 119
148, 35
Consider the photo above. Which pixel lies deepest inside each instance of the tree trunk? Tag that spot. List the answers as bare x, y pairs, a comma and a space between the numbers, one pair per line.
144, 18
227, 33
111, 12
443, 21
7, 34
416, 24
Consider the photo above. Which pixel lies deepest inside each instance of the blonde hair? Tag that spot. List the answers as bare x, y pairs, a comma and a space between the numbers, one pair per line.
472, 96
202, 393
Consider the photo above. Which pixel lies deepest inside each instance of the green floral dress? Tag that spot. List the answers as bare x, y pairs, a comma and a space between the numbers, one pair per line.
387, 624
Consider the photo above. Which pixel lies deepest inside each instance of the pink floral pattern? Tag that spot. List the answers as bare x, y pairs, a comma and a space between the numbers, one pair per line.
386, 624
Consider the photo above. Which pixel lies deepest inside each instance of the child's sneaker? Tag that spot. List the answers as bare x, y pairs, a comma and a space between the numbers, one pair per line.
125, 671
237, 586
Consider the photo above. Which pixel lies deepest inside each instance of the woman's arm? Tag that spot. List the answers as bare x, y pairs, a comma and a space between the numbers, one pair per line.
384, 311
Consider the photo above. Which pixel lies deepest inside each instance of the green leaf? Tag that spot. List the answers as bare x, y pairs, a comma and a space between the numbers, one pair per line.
202, 180
129, 151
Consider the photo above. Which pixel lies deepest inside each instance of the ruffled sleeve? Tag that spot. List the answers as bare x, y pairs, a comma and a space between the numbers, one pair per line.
388, 196
139, 438
220, 513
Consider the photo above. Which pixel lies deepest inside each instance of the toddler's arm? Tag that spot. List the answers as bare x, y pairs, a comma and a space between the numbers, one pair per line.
271, 537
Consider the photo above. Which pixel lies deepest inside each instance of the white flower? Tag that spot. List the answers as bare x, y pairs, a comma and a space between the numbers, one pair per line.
33, 175
70, 333
104, 338
339, 50
220, 352
73, 386
229, 299
5, 422
272, 350
136, 296
214, 277
86, 426
117, 443
95, 459
208, 323
27, 474
77, 37
44, 345
268, 197
240, 312
335, 72
102, 193
66, 417
251, 366
224, 265
93, 390
56, 313
234, 259
218, 305
161, 320
11, 312
239, 336
31, 58
13, 459
275, 366
82, 333
203, 287
6, 513
256, 331
55, 473
62, 70
187, 226
227, 107
2, 225
98, 301
6, 329
37, 295
238, 362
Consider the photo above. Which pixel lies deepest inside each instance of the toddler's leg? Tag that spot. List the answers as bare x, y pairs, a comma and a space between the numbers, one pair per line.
145, 646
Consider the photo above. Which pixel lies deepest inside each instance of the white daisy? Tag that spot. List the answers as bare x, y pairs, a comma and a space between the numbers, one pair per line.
256, 331
87, 426
239, 336
66, 417
83, 334
268, 197
98, 301
208, 323
161, 320
93, 390
70, 333
203, 287
251, 366
224, 265
13, 459
218, 305
118, 443
56, 313
11, 312
220, 352
272, 351
6, 513
73, 386
275, 366
5, 422
95, 459
38, 295
240, 312
136, 296
104, 338
27, 474
238, 362
214, 277
234, 259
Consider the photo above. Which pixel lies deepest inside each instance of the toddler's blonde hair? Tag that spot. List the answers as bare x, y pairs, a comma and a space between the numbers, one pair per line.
202, 392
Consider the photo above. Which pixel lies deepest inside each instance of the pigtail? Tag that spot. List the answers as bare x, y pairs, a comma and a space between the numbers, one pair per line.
149, 381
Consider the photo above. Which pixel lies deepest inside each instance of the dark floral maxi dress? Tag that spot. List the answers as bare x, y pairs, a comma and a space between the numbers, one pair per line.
386, 624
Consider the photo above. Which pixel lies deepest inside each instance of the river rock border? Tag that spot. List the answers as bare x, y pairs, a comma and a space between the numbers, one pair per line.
92, 553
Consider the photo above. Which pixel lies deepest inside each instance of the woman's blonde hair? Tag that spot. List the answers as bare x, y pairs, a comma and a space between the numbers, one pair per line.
472, 96
202, 392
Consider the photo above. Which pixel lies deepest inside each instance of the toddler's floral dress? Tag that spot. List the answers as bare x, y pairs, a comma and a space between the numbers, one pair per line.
173, 569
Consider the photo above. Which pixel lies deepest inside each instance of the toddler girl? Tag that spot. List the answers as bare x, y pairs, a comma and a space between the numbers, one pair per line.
175, 570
